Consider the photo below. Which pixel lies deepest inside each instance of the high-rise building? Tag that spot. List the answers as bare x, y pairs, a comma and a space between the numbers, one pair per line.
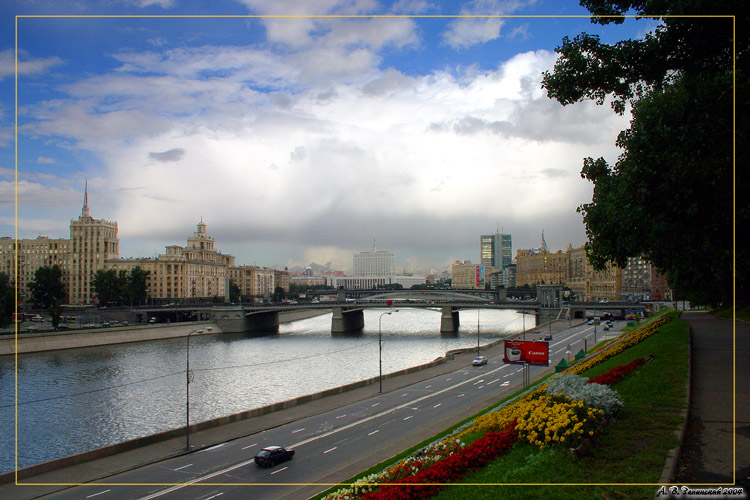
495, 250
376, 264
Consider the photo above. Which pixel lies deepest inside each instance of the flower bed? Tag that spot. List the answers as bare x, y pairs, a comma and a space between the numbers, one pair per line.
616, 374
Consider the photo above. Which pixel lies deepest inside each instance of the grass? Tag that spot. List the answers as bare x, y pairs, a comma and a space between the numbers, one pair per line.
742, 313
631, 450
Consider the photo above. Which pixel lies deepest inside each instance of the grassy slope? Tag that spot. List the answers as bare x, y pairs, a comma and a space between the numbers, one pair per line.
631, 450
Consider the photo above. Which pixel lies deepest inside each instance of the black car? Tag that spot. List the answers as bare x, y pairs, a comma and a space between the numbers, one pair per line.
272, 455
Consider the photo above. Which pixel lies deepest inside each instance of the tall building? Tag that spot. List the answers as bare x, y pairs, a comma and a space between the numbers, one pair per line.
376, 264
92, 243
495, 250
197, 270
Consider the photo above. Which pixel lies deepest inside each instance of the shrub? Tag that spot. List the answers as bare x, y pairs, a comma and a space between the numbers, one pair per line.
596, 396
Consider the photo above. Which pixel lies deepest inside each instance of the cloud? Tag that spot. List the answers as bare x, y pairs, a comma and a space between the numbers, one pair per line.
476, 28
45, 160
26, 66
175, 154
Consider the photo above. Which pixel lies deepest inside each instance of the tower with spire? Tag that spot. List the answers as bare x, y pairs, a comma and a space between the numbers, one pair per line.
92, 242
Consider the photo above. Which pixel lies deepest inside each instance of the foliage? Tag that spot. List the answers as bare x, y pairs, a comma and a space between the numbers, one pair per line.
675, 175
278, 294
596, 396
7, 299
235, 293
115, 288
47, 287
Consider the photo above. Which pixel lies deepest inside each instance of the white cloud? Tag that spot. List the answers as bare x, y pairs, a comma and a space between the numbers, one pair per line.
26, 65
476, 28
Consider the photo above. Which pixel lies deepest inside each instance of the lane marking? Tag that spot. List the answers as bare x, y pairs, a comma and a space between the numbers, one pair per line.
328, 451
427, 386
277, 471
505, 384
184, 466
217, 495
410, 416
478, 382
250, 446
374, 432
496, 380
100, 493
405, 394
439, 404
376, 404
298, 430
341, 416
325, 434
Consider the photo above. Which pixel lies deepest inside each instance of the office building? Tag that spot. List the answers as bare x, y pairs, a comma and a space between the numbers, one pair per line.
495, 250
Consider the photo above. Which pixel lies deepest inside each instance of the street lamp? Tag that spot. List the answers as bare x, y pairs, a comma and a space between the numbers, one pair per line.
380, 345
187, 385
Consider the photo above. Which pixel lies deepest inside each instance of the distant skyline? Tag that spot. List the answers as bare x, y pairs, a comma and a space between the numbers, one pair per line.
301, 139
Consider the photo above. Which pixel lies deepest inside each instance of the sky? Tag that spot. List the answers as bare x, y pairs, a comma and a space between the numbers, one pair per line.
298, 139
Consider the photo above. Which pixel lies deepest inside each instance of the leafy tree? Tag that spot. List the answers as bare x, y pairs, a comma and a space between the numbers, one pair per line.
47, 286
7, 299
108, 287
669, 196
137, 282
55, 312
235, 293
278, 294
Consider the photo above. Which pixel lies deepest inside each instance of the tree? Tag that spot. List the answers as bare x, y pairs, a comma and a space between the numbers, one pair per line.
7, 299
234, 292
137, 282
278, 294
47, 287
669, 196
108, 286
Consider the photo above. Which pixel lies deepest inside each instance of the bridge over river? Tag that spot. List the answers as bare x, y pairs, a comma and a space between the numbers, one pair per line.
348, 314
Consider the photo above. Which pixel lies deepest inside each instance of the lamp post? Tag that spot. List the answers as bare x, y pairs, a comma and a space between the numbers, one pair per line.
187, 385
477, 331
380, 346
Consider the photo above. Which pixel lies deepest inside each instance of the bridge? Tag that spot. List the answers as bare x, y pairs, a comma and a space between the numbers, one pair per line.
348, 314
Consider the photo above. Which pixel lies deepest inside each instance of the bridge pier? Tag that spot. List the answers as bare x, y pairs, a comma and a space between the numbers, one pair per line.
449, 320
347, 320
234, 320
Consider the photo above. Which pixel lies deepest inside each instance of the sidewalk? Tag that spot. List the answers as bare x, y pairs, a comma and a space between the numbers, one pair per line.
108, 466
716, 426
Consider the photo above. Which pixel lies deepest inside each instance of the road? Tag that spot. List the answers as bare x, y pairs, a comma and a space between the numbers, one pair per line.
332, 446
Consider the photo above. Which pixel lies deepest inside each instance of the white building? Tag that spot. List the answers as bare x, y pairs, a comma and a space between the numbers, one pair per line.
377, 263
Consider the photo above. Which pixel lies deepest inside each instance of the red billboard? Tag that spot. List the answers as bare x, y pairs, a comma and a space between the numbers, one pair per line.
530, 352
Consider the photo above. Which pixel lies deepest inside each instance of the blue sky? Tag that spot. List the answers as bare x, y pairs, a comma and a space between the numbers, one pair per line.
299, 139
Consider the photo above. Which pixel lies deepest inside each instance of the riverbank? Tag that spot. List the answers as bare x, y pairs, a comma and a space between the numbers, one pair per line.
109, 460
91, 337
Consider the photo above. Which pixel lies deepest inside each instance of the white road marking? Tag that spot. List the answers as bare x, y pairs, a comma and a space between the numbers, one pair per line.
298, 430
496, 380
410, 416
374, 432
95, 494
505, 384
250, 446
219, 494
376, 404
325, 434
439, 404
213, 447
183, 467
328, 451
427, 386
341, 416
277, 471
405, 394
449, 379
478, 382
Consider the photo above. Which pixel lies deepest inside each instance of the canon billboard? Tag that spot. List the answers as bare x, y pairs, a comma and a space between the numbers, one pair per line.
527, 352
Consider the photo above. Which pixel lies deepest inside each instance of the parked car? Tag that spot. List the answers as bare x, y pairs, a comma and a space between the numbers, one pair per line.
152, 320
272, 455
479, 361
125, 323
606, 328
591, 322
548, 337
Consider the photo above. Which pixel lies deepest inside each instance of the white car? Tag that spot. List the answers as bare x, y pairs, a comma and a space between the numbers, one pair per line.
479, 361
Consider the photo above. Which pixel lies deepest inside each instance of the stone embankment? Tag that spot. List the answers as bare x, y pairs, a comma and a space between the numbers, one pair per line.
91, 337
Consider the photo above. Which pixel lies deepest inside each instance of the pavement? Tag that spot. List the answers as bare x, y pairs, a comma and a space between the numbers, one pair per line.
706, 455
716, 448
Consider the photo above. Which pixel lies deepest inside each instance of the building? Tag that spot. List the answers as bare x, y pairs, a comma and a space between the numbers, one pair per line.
91, 243
495, 250
375, 264
195, 271
541, 268
466, 275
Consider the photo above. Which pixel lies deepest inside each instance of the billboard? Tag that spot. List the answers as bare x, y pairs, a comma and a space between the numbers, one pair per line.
480, 276
633, 313
527, 351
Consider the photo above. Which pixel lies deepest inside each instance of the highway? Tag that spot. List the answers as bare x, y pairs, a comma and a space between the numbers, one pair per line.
333, 446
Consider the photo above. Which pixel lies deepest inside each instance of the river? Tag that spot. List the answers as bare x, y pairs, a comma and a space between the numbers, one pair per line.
76, 400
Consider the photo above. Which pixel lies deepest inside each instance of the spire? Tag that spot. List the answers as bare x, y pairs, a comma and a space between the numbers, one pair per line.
85, 210
544, 246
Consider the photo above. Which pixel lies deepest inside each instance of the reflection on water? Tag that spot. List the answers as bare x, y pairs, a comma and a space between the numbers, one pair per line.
76, 400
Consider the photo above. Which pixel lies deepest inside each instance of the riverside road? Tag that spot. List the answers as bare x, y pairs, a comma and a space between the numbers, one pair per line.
334, 437
340, 436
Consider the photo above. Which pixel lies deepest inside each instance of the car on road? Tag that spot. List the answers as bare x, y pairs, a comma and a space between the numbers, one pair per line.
606, 328
548, 337
591, 322
272, 455
479, 361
